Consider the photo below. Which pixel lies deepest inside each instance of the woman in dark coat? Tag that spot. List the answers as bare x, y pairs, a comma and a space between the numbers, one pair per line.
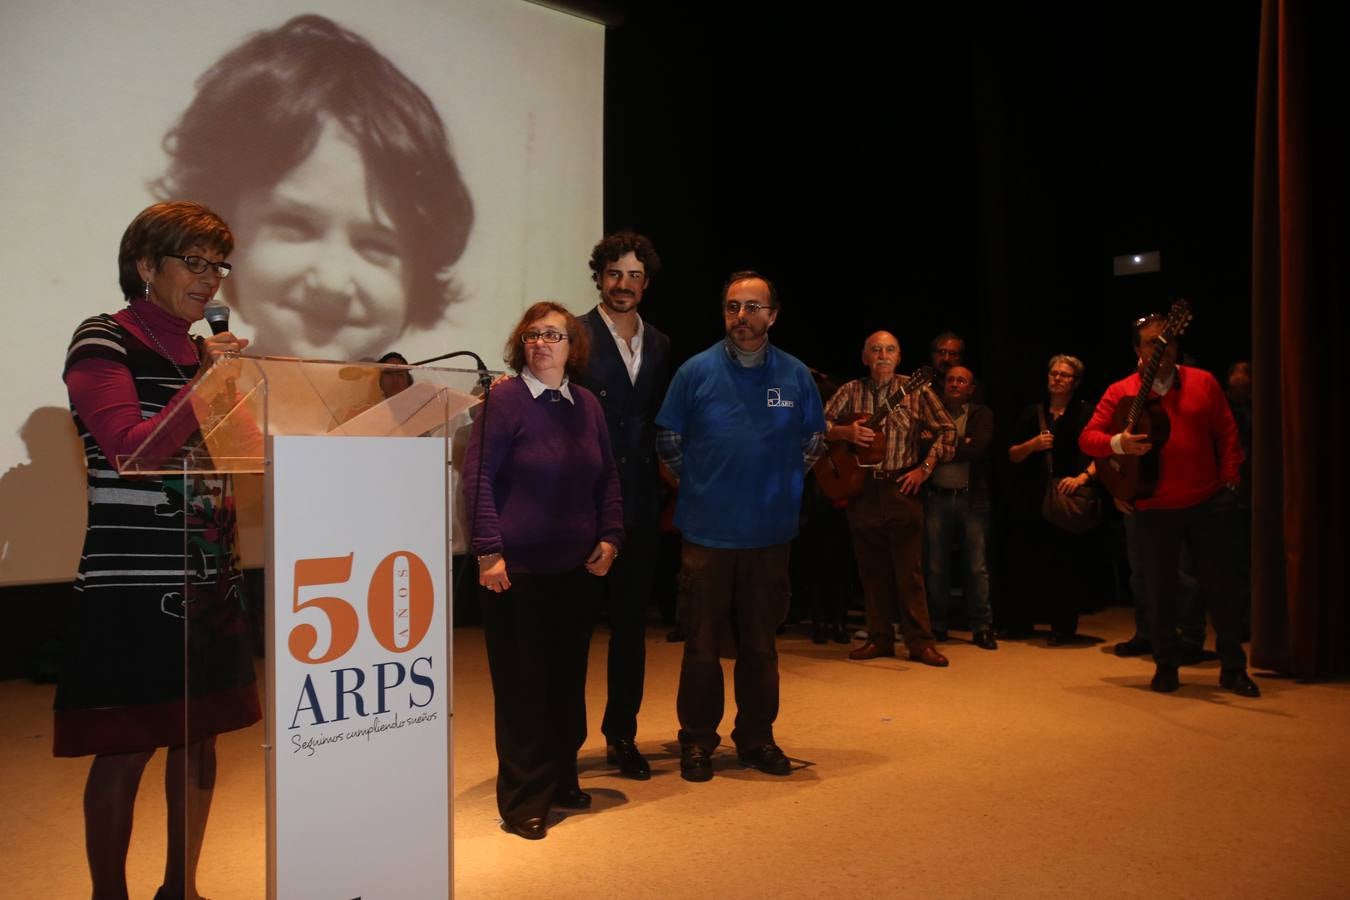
1053, 572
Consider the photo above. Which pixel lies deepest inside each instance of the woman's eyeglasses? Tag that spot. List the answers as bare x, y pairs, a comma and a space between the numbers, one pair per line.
548, 337
198, 264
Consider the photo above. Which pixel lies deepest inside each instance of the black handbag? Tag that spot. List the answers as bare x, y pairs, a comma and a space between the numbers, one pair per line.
1075, 513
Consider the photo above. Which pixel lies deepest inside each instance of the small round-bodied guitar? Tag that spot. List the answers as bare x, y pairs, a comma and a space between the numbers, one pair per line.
842, 471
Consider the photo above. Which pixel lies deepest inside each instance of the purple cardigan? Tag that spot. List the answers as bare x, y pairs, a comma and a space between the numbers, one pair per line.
549, 490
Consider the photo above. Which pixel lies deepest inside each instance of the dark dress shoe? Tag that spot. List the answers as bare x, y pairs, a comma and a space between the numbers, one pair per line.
624, 754
1135, 646
572, 798
840, 634
871, 650
930, 656
818, 633
695, 763
1165, 680
530, 829
1239, 682
984, 639
769, 759
941, 635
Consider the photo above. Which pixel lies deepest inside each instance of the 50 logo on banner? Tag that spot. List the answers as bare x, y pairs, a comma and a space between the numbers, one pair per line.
399, 609
400, 603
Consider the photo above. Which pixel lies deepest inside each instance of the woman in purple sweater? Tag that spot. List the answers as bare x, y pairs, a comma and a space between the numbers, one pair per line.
546, 513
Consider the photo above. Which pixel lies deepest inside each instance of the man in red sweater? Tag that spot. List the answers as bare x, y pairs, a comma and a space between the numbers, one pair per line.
1195, 503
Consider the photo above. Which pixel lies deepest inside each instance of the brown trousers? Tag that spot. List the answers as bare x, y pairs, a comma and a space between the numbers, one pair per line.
887, 529
734, 600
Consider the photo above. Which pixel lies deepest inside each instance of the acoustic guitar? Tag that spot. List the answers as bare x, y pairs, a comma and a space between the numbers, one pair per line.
841, 472
1131, 477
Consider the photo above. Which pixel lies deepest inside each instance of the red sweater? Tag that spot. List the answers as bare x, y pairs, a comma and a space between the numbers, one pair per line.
1203, 453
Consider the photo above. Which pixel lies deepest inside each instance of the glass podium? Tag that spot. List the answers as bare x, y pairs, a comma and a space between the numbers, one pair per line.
348, 662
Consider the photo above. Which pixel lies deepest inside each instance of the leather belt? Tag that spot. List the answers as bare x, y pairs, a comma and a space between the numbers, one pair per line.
892, 474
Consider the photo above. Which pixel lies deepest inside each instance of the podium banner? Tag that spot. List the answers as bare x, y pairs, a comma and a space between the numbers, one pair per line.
359, 716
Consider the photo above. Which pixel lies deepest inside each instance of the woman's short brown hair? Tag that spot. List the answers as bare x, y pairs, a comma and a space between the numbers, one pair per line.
169, 227
578, 338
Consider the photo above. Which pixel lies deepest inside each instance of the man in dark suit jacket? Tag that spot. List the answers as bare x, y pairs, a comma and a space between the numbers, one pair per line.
629, 370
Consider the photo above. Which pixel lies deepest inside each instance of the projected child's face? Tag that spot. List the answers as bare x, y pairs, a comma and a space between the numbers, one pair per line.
320, 271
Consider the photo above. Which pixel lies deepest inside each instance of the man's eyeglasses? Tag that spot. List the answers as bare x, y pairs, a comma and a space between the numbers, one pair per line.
198, 264
548, 337
734, 307
1063, 376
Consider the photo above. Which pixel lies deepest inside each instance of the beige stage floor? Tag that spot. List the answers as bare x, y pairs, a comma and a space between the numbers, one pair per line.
1026, 772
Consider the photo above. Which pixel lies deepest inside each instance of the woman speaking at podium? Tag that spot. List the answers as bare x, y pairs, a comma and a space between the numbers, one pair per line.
543, 497
121, 693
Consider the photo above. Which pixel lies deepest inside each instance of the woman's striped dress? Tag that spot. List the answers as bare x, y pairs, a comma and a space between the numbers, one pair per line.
150, 592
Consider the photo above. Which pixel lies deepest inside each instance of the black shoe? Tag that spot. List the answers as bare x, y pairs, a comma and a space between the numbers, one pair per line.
840, 634
1060, 639
941, 635
572, 798
1239, 682
675, 635
769, 759
1165, 680
1190, 654
984, 639
530, 829
695, 763
624, 754
818, 634
1135, 646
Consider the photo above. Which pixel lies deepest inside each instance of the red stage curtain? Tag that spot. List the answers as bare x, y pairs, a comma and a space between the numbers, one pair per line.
1299, 241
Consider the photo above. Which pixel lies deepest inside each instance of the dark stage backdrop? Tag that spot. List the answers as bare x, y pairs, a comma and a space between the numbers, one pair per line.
922, 169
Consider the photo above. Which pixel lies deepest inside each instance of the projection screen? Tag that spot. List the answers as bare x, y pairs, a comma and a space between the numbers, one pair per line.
93, 101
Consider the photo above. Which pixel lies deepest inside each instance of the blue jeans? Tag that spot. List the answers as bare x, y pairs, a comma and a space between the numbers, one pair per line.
952, 520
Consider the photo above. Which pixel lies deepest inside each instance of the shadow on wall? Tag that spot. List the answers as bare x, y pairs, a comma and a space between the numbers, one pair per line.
43, 502
42, 518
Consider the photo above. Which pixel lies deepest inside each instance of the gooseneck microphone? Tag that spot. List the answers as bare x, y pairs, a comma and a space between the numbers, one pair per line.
484, 376
217, 315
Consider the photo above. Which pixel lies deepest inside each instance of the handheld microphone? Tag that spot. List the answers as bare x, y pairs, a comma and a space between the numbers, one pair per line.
217, 315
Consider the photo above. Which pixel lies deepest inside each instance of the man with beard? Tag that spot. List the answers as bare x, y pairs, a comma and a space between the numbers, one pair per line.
886, 519
739, 427
628, 372
947, 349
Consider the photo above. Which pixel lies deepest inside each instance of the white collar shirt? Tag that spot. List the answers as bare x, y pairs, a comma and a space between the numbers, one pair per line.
537, 387
631, 351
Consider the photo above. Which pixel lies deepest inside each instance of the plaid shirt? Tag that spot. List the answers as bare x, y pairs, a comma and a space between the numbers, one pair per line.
918, 411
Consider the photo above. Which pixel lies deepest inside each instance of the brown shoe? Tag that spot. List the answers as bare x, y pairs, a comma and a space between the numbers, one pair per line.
871, 650
929, 656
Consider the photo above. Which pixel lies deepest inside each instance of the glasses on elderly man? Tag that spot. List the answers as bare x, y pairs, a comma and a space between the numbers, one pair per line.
198, 264
548, 337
